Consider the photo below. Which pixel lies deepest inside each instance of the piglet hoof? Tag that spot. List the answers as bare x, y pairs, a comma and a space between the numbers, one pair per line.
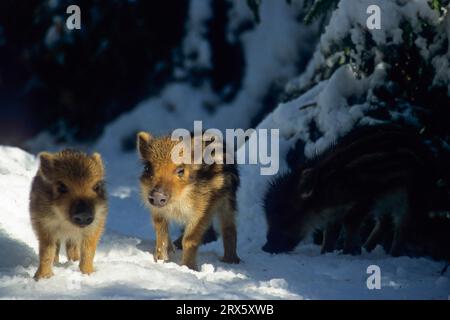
43, 274
87, 269
232, 260
191, 266
161, 255
73, 256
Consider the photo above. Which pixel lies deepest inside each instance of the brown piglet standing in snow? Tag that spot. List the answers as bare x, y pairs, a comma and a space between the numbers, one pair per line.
68, 206
189, 193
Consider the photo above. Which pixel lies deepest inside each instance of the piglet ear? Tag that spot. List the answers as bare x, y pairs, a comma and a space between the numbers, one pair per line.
143, 143
307, 183
46, 167
98, 159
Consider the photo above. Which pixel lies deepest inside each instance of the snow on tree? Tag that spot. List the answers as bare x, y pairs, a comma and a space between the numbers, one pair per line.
399, 73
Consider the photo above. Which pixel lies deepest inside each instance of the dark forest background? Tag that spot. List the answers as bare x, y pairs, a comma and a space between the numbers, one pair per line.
78, 81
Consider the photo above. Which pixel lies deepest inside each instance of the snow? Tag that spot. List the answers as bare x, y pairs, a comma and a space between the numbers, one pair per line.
350, 20
124, 263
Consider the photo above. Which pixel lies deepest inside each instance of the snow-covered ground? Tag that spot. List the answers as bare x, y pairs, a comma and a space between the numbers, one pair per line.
125, 268
124, 262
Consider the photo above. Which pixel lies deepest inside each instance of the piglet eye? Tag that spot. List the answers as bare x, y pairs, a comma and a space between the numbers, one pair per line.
147, 169
180, 171
62, 188
98, 188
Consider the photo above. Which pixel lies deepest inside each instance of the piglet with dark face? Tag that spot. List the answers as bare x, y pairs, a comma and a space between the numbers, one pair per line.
375, 172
